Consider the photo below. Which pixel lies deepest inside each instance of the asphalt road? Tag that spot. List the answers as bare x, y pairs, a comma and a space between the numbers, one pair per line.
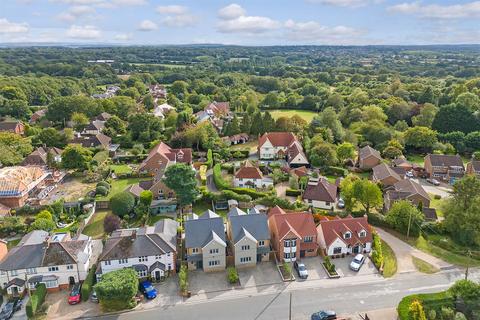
351, 299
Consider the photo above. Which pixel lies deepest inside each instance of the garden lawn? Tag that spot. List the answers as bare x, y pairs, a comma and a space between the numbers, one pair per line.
437, 204
66, 229
424, 266
119, 185
13, 243
446, 255
94, 228
250, 145
120, 168
304, 114
416, 158
389, 261
200, 206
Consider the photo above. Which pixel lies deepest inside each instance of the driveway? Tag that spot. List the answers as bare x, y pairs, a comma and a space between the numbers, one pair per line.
210, 183
204, 282
442, 190
60, 309
314, 268
343, 267
404, 252
265, 273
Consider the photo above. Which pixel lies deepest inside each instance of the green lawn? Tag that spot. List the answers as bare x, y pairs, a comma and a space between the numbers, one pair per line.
13, 243
66, 229
121, 168
94, 228
201, 206
389, 261
424, 266
306, 115
460, 259
363, 175
250, 145
437, 204
119, 185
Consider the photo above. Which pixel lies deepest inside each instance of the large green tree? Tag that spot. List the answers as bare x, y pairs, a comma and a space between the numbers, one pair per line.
181, 179
367, 193
76, 157
402, 214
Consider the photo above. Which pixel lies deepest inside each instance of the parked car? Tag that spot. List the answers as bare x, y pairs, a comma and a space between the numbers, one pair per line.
10, 308
409, 174
75, 296
341, 203
301, 269
148, 290
357, 262
324, 315
94, 297
433, 181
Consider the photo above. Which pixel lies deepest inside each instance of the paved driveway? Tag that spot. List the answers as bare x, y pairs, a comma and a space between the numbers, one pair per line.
265, 273
343, 268
442, 190
204, 282
314, 268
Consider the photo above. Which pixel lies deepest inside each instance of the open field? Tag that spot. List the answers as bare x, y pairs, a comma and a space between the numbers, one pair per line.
305, 114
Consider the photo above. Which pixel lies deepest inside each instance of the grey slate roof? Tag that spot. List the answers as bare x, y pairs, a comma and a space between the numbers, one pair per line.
255, 224
23, 257
156, 265
235, 212
15, 282
199, 232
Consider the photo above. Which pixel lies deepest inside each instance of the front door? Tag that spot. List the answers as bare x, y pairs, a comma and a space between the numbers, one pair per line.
71, 281
302, 253
356, 249
157, 275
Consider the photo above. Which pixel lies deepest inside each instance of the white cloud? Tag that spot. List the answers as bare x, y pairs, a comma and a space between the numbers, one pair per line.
231, 12
123, 37
235, 20
454, 11
103, 3
84, 32
345, 3
314, 32
129, 2
76, 12
7, 27
147, 25
173, 9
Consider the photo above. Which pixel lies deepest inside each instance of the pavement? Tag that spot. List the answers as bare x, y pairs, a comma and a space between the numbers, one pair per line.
404, 253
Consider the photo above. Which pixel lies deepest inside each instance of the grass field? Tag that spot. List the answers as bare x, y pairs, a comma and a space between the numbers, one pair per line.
119, 186
446, 255
437, 204
121, 168
94, 228
424, 266
306, 115
250, 145
389, 261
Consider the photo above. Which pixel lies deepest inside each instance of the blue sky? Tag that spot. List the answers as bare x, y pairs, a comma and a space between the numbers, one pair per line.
250, 22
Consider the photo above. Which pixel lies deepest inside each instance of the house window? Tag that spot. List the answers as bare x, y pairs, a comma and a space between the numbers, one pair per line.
158, 257
246, 247
142, 259
261, 243
288, 255
245, 259
347, 235
107, 262
194, 250
327, 203
14, 273
142, 273
52, 269
122, 261
51, 284
213, 251
214, 263
362, 234
169, 267
337, 250
70, 267
31, 270
308, 239
168, 254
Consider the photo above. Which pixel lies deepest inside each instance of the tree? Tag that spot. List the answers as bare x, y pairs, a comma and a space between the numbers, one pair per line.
246, 124
345, 151
426, 116
347, 192
367, 193
416, 311
80, 121
323, 155
146, 198
14, 148
420, 138
328, 118
233, 127
472, 140
402, 214
181, 179
122, 203
257, 125
268, 122
43, 224
76, 157
115, 126
111, 223
144, 127
117, 289
468, 292
455, 118
16, 108
461, 211
44, 214
52, 138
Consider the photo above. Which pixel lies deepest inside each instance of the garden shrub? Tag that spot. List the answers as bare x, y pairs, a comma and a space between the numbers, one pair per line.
122, 203
183, 278
36, 300
377, 253
104, 184
430, 301
88, 283
229, 194
101, 190
251, 192
293, 192
209, 162
232, 275
117, 289
218, 179
437, 197
336, 171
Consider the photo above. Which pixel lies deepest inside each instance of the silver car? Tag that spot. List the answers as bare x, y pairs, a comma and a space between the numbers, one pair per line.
301, 270
357, 262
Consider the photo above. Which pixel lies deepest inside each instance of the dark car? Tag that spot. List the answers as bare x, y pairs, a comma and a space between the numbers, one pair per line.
148, 290
301, 269
324, 315
75, 296
9, 309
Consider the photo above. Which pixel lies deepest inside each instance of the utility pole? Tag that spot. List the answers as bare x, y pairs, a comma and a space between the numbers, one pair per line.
290, 308
409, 223
469, 254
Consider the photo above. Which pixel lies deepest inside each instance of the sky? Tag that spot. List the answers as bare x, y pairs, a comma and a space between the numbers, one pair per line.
249, 22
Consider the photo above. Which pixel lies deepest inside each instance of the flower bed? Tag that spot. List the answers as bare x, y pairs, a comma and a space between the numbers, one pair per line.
330, 268
286, 272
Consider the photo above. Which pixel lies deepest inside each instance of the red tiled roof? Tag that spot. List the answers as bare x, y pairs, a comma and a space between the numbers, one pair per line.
248, 172
368, 151
179, 155
277, 139
300, 223
322, 191
333, 229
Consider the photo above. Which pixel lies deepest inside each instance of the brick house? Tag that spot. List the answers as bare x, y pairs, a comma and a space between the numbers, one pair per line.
444, 167
406, 190
386, 175
12, 126
249, 176
282, 145
319, 193
368, 158
293, 234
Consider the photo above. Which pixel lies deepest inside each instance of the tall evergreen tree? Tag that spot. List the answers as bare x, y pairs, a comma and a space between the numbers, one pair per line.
268, 122
246, 124
257, 124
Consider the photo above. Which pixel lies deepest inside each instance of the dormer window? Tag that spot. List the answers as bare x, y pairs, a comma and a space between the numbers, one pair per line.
362, 234
347, 235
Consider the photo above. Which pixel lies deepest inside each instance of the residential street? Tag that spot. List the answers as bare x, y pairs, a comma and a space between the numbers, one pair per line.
344, 297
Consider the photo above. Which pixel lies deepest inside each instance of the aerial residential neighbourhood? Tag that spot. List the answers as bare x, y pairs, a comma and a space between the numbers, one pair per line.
257, 160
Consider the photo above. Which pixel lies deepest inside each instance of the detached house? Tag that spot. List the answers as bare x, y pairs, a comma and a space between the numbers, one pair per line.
39, 157
282, 145
445, 167
368, 158
406, 190
293, 234
162, 110
205, 242
386, 175
57, 261
249, 176
473, 167
349, 235
319, 193
93, 141
12, 126
249, 237
151, 251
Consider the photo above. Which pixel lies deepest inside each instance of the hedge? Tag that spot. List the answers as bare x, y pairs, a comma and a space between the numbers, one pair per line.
133, 175
336, 171
241, 154
293, 192
429, 301
229, 194
209, 162
104, 184
36, 300
251, 192
218, 179
88, 283
101, 190
131, 158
